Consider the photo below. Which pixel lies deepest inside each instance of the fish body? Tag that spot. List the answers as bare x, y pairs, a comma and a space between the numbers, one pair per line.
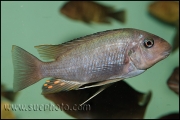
167, 11
101, 58
173, 81
89, 11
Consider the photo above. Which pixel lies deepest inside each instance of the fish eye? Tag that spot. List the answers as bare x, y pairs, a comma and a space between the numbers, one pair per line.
148, 43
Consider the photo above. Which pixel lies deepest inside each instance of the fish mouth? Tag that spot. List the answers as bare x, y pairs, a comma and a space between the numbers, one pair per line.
166, 54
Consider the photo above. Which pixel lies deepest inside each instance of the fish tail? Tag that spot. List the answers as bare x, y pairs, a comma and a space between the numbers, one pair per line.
26, 68
119, 15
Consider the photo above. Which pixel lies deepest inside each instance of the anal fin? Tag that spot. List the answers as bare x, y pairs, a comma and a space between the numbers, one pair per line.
57, 85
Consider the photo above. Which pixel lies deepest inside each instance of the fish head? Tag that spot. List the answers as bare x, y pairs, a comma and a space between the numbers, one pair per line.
71, 10
148, 49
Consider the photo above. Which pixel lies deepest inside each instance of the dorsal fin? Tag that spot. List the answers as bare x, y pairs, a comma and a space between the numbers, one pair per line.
51, 52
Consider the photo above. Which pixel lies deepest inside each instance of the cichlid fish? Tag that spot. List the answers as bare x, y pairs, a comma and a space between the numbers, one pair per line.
89, 11
99, 59
8, 94
173, 81
167, 11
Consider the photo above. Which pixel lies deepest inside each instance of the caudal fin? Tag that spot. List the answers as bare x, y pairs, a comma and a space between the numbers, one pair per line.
120, 16
26, 68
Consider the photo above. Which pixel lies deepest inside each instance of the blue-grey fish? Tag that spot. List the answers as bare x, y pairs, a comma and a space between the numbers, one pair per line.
100, 59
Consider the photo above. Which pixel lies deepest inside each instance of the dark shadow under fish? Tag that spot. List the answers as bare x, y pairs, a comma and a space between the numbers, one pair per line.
173, 81
118, 101
89, 11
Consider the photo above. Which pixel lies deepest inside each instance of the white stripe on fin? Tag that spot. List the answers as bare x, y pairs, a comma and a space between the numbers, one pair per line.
102, 83
99, 91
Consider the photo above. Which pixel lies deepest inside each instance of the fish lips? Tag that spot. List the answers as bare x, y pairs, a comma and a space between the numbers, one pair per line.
166, 54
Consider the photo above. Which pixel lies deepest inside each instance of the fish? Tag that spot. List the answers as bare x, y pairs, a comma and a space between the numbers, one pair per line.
173, 81
116, 102
167, 11
7, 97
174, 115
8, 94
89, 11
99, 59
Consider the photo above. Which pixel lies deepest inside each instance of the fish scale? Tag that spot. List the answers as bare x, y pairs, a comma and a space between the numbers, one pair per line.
100, 61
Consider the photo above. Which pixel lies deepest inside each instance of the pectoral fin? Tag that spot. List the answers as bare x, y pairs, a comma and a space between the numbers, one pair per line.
104, 84
57, 85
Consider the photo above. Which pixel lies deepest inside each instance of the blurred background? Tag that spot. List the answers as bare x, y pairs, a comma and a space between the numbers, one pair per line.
27, 24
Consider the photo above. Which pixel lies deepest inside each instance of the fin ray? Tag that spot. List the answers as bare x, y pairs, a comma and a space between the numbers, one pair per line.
51, 52
101, 83
57, 85
96, 93
26, 68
